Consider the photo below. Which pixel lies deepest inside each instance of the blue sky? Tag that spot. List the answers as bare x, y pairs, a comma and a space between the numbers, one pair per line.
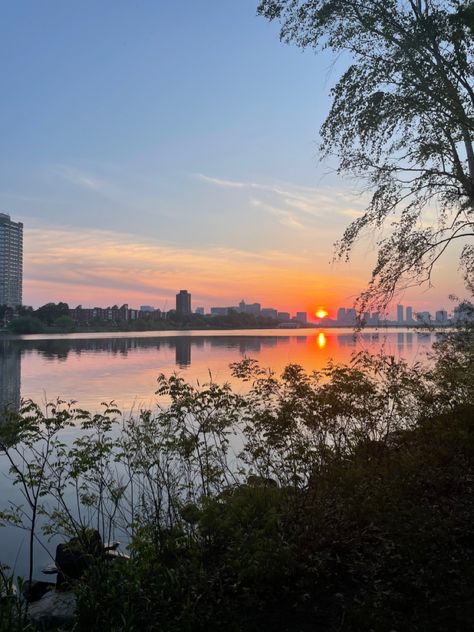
166, 126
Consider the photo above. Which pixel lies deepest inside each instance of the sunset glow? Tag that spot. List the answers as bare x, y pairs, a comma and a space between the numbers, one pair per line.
321, 313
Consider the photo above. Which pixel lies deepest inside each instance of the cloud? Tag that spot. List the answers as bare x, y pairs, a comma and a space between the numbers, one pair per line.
82, 179
284, 216
98, 267
295, 206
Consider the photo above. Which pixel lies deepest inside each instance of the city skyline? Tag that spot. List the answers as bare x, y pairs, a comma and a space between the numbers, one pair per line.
139, 166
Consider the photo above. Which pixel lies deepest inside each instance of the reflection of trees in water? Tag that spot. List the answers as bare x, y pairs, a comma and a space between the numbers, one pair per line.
60, 349
10, 375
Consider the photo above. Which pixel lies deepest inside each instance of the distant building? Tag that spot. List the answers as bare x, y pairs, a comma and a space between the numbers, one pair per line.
441, 317
199, 310
409, 315
341, 315
302, 317
269, 312
400, 314
183, 303
11, 261
253, 308
375, 319
219, 311
351, 316
283, 315
147, 308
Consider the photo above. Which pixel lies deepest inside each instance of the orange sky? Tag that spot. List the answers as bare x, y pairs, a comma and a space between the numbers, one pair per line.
103, 267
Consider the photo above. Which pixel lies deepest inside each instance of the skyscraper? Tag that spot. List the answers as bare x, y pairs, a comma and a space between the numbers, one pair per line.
11, 261
183, 303
399, 314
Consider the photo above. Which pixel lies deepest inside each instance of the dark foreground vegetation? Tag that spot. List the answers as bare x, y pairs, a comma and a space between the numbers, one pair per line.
341, 500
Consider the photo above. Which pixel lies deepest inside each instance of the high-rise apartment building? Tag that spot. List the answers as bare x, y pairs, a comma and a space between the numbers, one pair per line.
183, 303
11, 261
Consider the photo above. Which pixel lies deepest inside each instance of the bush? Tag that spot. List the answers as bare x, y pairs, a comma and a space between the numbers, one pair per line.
26, 325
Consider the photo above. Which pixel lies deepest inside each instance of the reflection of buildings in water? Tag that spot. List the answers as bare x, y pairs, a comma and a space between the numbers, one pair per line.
252, 345
301, 340
401, 340
346, 340
410, 339
183, 351
10, 376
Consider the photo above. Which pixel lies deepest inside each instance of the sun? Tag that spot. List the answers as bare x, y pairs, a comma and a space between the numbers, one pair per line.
321, 313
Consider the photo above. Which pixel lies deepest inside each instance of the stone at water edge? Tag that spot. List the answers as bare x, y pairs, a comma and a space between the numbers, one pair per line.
55, 609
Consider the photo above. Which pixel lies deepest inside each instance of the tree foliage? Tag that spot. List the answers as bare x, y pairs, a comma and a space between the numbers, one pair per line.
402, 120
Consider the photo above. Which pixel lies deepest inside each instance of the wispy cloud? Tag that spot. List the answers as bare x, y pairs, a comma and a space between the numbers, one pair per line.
97, 267
295, 206
284, 216
82, 179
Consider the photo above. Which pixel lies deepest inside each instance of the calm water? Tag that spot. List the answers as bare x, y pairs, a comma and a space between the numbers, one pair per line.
92, 368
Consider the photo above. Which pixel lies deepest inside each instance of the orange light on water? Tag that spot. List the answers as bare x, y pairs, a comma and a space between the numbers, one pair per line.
321, 313
321, 340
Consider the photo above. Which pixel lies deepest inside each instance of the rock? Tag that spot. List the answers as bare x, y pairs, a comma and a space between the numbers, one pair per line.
73, 558
35, 590
54, 610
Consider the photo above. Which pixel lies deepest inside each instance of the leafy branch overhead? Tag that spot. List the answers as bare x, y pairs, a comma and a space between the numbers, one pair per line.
402, 120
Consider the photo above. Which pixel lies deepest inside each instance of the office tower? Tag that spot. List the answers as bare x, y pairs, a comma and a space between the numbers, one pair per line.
441, 317
11, 261
409, 314
399, 314
199, 310
341, 315
183, 303
302, 317
351, 316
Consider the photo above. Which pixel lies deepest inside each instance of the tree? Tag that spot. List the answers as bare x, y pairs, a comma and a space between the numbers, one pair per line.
402, 119
50, 312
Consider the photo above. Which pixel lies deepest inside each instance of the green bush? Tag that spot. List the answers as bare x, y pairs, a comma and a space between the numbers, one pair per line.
26, 325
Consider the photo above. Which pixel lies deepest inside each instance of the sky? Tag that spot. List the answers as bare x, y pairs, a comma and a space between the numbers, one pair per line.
151, 146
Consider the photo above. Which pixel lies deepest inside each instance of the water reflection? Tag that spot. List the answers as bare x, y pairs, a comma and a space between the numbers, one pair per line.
10, 376
322, 340
125, 368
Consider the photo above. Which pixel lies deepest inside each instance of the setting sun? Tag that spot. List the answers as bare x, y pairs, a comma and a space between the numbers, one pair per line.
321, 313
